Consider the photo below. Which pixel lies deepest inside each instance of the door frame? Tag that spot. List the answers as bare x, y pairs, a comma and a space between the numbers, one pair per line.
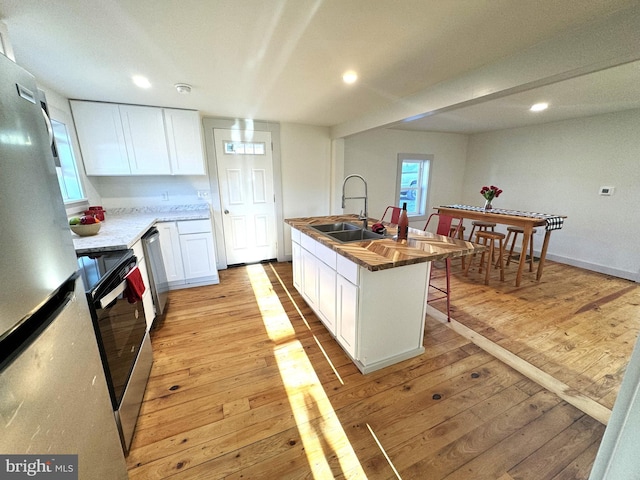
209, 125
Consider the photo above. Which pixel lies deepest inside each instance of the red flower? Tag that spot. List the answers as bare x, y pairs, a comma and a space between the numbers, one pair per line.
490, 192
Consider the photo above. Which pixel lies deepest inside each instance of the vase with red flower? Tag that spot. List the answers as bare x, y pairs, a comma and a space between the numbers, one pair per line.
489, 193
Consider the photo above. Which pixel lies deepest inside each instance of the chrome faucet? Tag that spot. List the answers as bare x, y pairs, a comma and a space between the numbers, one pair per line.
363, 215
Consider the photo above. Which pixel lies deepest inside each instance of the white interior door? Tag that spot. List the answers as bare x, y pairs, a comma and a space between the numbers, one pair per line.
245, 176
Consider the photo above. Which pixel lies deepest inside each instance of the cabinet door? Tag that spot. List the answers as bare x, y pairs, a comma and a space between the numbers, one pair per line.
347, 314
296, 260
184, 139
309, 278
171, 253
101, 138
145, 139
198, 256
327, 296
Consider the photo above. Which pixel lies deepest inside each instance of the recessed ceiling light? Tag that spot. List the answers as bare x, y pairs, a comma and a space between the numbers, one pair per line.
538, 107
140, 81
350, 77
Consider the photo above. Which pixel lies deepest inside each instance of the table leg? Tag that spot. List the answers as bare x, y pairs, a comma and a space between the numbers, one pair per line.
543, 254
528, 229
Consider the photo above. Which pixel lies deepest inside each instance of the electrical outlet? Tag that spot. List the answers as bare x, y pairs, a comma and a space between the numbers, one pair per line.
607, 191
165, 196
203, 193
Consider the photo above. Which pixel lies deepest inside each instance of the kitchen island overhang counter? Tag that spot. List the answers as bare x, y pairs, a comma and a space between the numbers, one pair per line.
371, 295
381, 254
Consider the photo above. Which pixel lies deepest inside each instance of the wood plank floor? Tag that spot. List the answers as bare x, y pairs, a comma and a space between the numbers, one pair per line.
247, 383
575, 325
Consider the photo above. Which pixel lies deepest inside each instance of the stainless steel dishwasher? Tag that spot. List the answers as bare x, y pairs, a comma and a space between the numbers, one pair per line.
157, 273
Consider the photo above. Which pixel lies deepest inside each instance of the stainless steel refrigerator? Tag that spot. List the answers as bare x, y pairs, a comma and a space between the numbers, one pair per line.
53, 392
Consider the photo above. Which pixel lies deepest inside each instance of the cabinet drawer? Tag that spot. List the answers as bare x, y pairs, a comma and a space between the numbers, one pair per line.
194, 226
295, 235
308, 243
327, 255
347, 269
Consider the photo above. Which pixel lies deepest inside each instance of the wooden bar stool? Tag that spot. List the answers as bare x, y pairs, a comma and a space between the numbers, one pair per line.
489, 239
457, 231
481, 226
515, 231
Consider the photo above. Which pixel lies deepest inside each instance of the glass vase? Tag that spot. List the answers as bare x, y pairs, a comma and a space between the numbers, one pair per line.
487, 205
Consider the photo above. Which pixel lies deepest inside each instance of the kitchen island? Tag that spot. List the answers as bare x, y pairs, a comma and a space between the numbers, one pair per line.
370, 294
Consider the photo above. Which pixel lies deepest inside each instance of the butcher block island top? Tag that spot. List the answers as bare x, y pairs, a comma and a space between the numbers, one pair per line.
382, 254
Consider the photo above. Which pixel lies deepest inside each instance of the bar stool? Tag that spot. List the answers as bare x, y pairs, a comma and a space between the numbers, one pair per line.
488, 239
482, 226
445, 224
515, 231
459, 229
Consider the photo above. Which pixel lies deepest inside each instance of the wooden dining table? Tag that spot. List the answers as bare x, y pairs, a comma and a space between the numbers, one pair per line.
527, 220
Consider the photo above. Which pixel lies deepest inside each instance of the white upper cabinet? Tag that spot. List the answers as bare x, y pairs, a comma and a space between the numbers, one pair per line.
138, 140
145, 140
184, 139
101, 138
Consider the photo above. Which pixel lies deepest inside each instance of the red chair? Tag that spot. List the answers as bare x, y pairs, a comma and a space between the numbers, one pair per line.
448, 229
395, 214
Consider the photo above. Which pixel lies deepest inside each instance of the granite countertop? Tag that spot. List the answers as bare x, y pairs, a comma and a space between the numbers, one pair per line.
386, 253
123, 227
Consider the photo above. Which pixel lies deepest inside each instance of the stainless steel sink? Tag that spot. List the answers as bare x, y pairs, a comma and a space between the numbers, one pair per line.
336, 227
354, 235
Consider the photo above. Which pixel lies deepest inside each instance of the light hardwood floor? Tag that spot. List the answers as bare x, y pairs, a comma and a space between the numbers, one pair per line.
247, 383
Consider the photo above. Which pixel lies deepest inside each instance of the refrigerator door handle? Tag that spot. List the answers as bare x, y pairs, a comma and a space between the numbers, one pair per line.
112, 295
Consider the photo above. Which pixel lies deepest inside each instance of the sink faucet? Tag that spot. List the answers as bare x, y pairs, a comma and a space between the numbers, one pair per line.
363, 215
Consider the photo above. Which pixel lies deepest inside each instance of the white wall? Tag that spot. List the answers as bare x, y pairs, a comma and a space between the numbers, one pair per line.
306, 173
374, 155
150, 191
558, 168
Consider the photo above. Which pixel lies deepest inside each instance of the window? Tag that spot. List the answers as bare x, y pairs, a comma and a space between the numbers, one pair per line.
413, 183
244, 148
67, 171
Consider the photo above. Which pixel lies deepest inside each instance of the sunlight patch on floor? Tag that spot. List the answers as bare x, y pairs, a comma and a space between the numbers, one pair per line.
307, 324
320, 429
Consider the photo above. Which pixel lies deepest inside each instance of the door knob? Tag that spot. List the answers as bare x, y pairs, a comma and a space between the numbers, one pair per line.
226, 212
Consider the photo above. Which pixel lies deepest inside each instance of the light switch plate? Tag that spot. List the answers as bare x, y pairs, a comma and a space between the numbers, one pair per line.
606, 191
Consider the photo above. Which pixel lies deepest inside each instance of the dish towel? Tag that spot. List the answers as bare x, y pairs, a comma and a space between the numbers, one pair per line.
135, 286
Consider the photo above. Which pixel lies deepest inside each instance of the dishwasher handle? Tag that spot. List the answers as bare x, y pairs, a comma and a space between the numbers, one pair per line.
151, 234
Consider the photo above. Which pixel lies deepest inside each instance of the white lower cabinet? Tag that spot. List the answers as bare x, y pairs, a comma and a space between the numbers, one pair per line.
310, 278
377, 317
188, 252
346, 314
198, 256
296, 254
327, 296
171, 254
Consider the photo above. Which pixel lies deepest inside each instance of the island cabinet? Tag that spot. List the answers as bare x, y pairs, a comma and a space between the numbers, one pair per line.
316, 278
138, 140
377, 317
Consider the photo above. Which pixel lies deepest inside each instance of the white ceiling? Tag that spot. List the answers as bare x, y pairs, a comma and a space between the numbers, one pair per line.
282, 60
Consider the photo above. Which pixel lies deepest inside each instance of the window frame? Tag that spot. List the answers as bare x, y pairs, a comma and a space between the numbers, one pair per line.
422, 189
60, 116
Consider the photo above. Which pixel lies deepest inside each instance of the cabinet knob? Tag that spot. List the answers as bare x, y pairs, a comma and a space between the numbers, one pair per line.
226, 212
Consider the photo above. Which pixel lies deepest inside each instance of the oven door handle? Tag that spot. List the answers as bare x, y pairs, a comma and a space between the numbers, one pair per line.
112, 295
